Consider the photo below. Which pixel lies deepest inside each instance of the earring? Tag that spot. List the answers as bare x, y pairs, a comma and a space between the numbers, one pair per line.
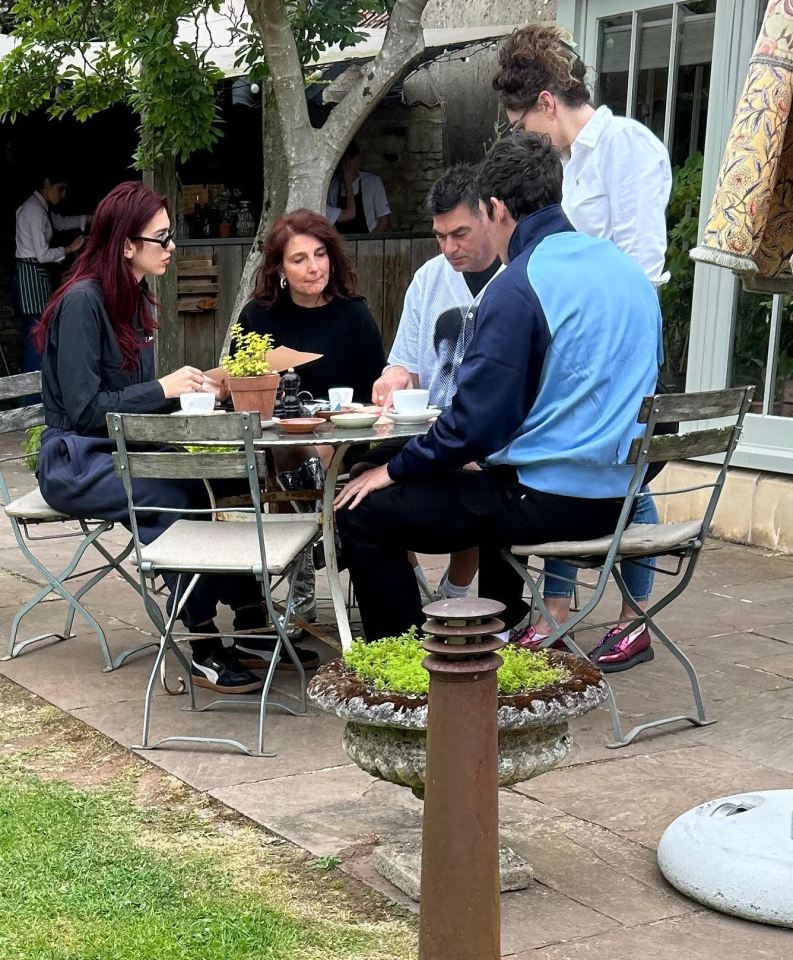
283, 282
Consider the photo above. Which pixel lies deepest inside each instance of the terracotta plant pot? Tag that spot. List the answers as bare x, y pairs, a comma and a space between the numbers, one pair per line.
255, 393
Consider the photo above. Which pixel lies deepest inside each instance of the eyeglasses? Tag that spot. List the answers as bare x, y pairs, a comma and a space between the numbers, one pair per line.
163, 241
517, 126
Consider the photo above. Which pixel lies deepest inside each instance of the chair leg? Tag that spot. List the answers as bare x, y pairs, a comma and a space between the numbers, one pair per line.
647, 617
55, 585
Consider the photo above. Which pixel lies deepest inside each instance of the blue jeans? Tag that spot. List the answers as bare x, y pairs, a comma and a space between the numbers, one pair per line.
638, 578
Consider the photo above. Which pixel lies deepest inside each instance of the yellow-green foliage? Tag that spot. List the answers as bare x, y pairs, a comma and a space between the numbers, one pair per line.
250, 356
394, 664
31, 444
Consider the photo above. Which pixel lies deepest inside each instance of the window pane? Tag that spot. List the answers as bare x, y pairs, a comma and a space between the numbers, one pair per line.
692, 89
655, 38
615, 53
750, 344
782, 402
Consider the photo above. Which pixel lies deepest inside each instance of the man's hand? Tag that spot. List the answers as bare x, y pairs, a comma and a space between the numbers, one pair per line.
360, 488
75, 245
392, 378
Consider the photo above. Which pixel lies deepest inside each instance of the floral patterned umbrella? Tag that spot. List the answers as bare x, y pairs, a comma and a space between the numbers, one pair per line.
750, 228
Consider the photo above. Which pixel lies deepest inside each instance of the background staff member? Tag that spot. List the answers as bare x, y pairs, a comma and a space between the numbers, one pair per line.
36, 224
357, 201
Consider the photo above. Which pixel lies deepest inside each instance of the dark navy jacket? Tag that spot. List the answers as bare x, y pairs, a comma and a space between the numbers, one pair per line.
82, 373
567, 342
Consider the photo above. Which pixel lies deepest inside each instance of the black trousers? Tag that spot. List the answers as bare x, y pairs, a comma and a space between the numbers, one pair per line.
488, 509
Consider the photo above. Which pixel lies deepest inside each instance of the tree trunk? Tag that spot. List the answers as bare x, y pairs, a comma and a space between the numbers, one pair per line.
169, 339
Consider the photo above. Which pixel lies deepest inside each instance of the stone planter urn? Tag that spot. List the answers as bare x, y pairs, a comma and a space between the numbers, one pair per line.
386, 736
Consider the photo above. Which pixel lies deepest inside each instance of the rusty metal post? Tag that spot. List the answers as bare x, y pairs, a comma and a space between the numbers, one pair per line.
460, 908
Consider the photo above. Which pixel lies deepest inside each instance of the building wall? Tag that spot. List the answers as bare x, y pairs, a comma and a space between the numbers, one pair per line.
471, 13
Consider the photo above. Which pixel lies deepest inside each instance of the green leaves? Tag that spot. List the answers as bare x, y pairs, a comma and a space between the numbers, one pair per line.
250, 356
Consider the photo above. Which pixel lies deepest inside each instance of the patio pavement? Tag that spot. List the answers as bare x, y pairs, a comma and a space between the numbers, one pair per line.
589, 828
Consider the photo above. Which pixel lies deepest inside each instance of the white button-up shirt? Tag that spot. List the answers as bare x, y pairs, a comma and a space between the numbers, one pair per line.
34, 230
616, 185
375, 201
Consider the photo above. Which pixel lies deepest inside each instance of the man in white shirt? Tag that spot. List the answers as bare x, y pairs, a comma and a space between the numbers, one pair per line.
357, 201
36, 223
439, 316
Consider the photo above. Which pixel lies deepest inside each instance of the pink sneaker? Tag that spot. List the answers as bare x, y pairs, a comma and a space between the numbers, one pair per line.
529, 639
626, 653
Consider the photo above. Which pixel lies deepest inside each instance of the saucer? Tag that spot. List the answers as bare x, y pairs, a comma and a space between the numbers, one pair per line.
301, 424
429, 414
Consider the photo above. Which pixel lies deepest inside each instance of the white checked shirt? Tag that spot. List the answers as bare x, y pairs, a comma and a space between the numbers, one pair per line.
616, 185
34, 230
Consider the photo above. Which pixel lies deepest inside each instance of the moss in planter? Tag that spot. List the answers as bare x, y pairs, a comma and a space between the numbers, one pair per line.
395, 664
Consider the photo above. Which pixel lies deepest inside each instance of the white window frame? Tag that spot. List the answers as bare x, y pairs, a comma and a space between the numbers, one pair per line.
767, 442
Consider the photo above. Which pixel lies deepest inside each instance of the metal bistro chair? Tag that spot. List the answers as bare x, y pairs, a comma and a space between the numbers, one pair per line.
682, 542
268, 547
33, 521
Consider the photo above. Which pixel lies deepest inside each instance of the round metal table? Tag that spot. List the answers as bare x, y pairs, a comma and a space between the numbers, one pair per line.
341, 440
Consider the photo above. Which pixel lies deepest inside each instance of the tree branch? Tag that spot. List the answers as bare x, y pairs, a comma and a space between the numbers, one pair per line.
270, 19
403, 45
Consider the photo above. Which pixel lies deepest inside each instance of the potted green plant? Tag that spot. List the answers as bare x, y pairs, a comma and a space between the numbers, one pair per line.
380, 689
251, 382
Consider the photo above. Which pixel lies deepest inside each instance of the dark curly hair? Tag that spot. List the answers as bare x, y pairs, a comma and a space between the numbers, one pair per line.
524, 172
534, 59
342, 280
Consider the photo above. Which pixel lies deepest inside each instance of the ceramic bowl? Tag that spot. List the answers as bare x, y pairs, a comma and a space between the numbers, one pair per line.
301, 424
354, 421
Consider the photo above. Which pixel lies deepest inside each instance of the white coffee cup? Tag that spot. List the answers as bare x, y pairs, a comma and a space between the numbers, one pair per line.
339, 397
197, 402
410, 401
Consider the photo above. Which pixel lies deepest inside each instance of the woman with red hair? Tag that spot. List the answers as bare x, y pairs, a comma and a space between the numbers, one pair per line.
96, 337
306, 297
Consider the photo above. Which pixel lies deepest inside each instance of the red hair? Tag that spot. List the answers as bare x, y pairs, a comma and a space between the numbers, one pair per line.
122, 214
342, 281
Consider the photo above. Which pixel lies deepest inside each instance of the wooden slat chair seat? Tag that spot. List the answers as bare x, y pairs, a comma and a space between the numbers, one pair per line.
682, 541
31, 511
268, 544
638, 540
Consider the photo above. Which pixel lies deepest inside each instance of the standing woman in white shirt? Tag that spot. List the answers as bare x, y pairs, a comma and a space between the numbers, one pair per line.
36, 223
616, 185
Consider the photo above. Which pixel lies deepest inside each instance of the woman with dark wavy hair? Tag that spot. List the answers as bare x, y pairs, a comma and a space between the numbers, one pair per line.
96, 337
306, 298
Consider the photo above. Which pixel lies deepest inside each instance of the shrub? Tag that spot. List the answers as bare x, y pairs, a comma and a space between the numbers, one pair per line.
250, 356
395, 664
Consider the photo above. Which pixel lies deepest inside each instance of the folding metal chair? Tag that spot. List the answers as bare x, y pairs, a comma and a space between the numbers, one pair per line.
682, 542
33, 521
198, 543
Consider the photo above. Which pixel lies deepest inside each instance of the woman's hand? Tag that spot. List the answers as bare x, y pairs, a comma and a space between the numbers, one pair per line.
360, 488
187, 380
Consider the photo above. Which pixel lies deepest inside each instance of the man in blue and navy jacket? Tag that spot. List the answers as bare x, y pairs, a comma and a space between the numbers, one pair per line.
567, 342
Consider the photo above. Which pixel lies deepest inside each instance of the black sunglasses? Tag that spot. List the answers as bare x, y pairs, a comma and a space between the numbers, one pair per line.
163, 241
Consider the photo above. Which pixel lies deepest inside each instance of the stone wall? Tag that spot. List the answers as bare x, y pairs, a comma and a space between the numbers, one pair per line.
472, 13
754, 508
405, 147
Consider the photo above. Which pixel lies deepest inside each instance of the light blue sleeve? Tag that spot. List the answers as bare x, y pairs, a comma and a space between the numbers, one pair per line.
405, 349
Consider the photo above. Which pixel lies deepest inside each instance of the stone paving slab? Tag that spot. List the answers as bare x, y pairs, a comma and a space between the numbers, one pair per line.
638, 797
704, 936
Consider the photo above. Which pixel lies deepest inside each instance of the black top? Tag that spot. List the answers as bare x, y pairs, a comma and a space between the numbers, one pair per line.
359, 223
81, 370
343, 331
478, 280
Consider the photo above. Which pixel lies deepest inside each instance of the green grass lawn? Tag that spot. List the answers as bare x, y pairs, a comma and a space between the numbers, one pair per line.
91, 874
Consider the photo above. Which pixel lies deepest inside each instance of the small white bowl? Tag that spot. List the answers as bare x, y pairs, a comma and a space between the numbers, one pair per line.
197, 402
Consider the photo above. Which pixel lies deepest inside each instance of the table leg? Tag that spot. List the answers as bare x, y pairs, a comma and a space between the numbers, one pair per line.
329, 543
